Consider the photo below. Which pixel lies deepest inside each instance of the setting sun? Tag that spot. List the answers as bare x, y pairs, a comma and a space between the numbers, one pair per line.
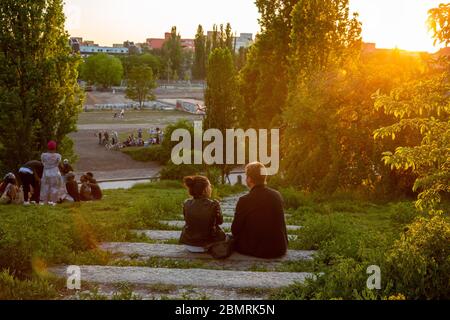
396, 23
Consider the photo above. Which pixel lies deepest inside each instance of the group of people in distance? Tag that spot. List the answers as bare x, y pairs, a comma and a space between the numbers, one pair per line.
259, 226
48, 182
156, 138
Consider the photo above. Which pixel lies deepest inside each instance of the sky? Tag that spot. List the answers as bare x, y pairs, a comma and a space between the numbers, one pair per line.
388, 23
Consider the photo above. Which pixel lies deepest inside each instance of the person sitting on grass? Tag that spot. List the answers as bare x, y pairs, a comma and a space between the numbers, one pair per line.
72, 187
9, 190
259, 226
85, 189
96, 191
65, 168
203, 216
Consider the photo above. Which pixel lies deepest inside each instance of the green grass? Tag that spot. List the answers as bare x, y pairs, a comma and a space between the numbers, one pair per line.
148, 117
349, 235
34, 238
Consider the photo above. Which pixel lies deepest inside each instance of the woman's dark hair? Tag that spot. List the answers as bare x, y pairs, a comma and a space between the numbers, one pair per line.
197, 185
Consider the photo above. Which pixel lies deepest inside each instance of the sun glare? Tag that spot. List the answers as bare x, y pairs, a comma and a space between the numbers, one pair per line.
396, 23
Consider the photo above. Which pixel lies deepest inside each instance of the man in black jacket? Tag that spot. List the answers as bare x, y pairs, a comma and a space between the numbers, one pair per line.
259, 226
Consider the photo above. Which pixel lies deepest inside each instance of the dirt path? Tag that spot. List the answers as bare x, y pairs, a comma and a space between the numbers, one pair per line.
107, 164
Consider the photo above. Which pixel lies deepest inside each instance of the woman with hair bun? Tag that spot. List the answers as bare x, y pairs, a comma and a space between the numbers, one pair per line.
203, 216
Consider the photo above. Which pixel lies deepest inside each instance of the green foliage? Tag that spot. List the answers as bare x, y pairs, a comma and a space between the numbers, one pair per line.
325, 40
168, 144
294, 199
263, 81
103, 70
200, 59
439, 22
221, 95
418, 264
421, 106
414, 259
178, 172
12, 288
39, 94
172, 54
146, 59
403, 212
141, 82
153, 153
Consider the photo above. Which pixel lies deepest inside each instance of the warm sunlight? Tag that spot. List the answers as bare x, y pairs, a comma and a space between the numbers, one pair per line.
396, 23
388, 23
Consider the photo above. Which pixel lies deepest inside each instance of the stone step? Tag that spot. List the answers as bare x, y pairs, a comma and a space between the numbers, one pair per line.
226, 225
222, 279
165, 235
171, 292
147, 250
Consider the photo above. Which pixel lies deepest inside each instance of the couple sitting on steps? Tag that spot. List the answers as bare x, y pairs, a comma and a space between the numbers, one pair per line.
258, 229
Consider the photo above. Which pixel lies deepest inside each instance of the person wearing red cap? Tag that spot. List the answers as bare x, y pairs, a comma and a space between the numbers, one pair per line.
51, 183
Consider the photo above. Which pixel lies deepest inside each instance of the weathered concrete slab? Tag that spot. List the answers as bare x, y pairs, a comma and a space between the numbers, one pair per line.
165, 235
226, 225
186, 277
180, 252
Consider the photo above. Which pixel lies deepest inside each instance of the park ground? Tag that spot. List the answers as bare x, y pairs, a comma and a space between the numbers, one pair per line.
109, 165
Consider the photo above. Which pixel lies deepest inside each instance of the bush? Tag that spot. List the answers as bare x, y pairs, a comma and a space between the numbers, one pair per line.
178, 172
145, 154
167, 144
344, 280
419, 262
403, 212
294, 199
12, 288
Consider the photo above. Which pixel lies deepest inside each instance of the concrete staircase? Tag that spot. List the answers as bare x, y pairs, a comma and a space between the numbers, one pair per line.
160, 270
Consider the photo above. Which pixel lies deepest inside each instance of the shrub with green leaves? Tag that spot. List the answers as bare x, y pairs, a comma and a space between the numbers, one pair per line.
418, 264
145, 154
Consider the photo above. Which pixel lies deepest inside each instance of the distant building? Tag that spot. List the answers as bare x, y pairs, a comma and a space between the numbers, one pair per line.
158, 43
245, 40
90, 50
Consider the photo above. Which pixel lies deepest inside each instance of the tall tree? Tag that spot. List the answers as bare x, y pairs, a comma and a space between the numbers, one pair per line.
147, 59
221, 96
229, 38
264, 79
103, 70
141, 82
199, 67
39, 94
325, 42
172, 53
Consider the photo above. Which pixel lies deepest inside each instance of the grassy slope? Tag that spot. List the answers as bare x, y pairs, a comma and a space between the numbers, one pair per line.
32, 238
